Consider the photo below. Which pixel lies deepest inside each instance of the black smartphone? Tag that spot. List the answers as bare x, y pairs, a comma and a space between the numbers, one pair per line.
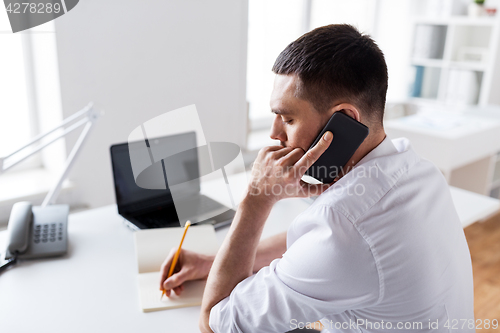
348, 134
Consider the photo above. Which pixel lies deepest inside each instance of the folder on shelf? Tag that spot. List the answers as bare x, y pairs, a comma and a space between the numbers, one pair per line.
429, 41
463, 87
152, 247
417, 83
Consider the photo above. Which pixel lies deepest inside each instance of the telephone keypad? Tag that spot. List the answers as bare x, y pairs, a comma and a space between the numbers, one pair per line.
47, 233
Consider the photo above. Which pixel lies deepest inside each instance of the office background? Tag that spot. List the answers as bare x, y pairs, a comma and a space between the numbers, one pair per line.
139, 59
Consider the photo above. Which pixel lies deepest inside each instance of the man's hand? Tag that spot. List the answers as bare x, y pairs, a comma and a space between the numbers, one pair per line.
276, 174
277, 171
190, 266
194, 266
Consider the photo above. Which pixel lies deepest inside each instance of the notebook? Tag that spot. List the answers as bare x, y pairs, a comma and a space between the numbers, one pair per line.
152, 247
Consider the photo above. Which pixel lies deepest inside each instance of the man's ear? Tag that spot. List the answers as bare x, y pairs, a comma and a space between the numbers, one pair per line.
348, 109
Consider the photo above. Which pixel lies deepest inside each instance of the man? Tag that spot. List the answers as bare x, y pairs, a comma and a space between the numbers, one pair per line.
380, 250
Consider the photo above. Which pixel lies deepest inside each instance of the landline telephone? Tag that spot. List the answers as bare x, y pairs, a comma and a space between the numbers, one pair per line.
33, 234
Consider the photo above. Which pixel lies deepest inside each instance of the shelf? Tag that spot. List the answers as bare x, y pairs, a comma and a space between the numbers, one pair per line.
453, 65
452, 56
432, 20
457, 20
424, 101
470, 65
482, 21
428, 62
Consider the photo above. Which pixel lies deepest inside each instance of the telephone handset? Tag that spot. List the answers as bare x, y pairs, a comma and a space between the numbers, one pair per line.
36, 232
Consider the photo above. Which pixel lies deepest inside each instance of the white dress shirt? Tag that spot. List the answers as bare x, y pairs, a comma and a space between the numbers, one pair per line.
382, 250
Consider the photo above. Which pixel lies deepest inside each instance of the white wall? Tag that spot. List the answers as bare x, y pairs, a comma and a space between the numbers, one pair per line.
138, 59
393, 35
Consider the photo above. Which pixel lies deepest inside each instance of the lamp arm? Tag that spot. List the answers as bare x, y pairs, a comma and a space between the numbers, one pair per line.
54, 191
37, 149
85, 111
91, 116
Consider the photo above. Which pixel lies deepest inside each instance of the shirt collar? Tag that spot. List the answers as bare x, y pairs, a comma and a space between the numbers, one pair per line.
385, 148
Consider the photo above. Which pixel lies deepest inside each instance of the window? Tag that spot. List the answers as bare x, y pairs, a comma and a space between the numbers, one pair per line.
15, 127
30, 100
273, 24
359, 13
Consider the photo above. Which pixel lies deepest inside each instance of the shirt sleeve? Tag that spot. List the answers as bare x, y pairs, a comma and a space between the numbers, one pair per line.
328, 269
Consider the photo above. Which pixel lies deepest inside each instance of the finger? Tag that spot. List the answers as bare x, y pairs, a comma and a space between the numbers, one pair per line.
178, 290
269, 149
281, 152
314, 153
175, 280
165, 267
293, 156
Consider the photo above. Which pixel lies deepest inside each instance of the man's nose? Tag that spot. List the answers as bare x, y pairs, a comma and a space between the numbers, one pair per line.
277, 130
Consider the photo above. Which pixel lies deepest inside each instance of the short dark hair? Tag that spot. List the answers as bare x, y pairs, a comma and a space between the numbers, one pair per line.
335, 64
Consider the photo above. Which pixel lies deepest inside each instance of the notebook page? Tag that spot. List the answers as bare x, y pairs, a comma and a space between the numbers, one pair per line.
153, 245
149, 294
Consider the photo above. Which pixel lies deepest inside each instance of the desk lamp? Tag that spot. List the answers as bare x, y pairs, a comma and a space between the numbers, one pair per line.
32, 230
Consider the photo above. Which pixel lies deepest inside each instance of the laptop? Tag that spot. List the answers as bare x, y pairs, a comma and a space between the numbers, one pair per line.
154, 208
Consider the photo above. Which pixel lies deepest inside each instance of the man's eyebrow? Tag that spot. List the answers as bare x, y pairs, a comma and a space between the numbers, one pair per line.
281, 111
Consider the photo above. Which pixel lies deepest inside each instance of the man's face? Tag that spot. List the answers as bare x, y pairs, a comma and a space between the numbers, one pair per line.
296, 123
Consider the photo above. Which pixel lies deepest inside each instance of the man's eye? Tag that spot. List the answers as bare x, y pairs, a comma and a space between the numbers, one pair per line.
289, 121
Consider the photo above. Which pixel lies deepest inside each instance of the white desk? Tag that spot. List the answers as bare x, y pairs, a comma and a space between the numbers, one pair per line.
472, 207
463, 146
93, 288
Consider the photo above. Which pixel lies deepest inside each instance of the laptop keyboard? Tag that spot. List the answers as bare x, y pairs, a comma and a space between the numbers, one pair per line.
152, 222
157, 220
205, 204
197, 206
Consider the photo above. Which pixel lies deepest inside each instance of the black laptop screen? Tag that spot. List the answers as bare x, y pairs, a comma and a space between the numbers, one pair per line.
129, 196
